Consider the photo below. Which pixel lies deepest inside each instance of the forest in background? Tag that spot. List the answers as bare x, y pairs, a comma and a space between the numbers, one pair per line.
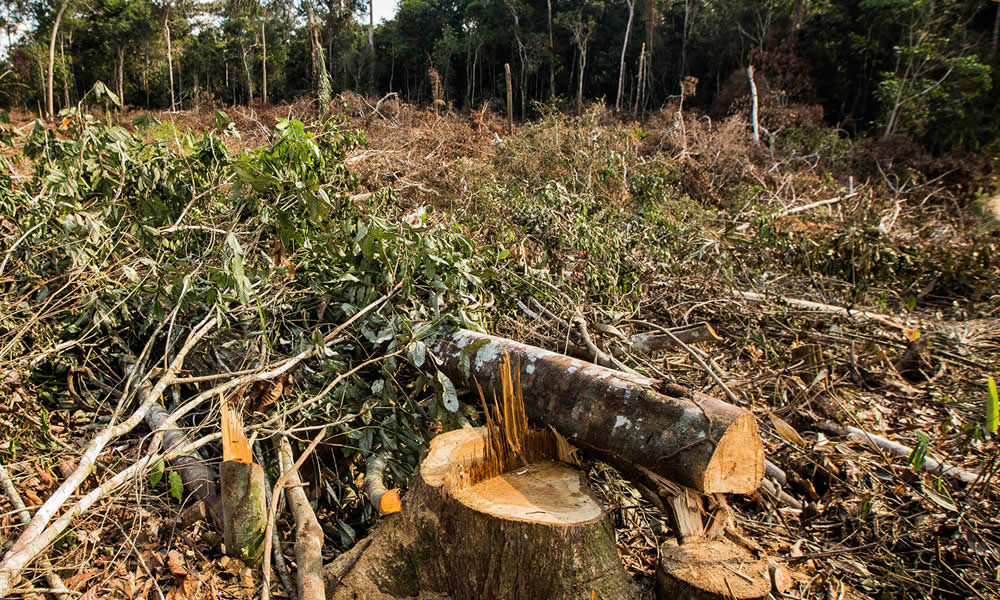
878, 67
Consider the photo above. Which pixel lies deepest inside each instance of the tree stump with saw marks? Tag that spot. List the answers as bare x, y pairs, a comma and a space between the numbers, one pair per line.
534, 532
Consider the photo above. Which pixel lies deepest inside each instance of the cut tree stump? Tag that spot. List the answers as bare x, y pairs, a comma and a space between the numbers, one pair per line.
714, 569
535, 532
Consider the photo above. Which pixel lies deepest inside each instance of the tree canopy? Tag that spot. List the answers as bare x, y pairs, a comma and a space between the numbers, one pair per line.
881, 67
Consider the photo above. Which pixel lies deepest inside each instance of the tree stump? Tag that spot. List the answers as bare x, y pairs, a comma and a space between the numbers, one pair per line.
711, 569
535, 532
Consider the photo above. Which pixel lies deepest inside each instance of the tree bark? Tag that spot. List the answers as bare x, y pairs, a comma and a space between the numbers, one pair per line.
170, 59
263, 65
621, 66
49, 101
689, 437
533, 533
308, 533
753, 105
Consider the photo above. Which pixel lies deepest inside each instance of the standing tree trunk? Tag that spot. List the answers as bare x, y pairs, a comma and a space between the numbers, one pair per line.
621, 66
552, 57
121, 74
246, 69
65, 71
753, 105
263, 83
170, 58
49, 102
371, 46
579, 89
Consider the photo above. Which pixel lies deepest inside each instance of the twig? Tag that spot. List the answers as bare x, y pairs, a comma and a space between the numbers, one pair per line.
697, 357
14, 562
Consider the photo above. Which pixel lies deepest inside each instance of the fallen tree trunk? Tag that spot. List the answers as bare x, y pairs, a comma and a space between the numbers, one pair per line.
536, 532
691, 438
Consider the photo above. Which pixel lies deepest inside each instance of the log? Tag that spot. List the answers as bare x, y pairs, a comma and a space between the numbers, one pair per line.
689, 437
711, 570
535, 532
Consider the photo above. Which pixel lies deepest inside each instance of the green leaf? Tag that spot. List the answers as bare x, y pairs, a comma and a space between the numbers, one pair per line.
449, 397
992, 408
156, 473
918, 456
176, 485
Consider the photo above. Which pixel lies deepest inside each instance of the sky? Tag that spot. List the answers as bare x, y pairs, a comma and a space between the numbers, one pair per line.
384, 9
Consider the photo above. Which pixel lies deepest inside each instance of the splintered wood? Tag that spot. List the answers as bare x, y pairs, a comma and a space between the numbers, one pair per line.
235, 446
509, 442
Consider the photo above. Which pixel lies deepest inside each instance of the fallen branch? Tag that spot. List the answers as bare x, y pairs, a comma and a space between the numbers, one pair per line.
805, 207
857, 315
15, 561
51, 576
199, 481
385, 501
308, 533
20, 552
931, 465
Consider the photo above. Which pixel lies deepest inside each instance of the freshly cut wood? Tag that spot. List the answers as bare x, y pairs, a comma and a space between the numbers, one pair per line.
689, 437
711, 570
244, 493
385, 501
535, 532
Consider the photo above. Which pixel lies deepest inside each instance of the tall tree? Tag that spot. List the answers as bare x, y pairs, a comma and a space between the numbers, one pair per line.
49, 103
621, 65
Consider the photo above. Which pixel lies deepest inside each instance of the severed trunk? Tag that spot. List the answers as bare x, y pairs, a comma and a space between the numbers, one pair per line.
688, 437
537, 532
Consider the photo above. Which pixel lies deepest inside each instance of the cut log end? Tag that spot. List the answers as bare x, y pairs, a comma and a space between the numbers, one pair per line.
736, 467
546, 493
711, 570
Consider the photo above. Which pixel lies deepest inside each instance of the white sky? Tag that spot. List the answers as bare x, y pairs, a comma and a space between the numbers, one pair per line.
384, 9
